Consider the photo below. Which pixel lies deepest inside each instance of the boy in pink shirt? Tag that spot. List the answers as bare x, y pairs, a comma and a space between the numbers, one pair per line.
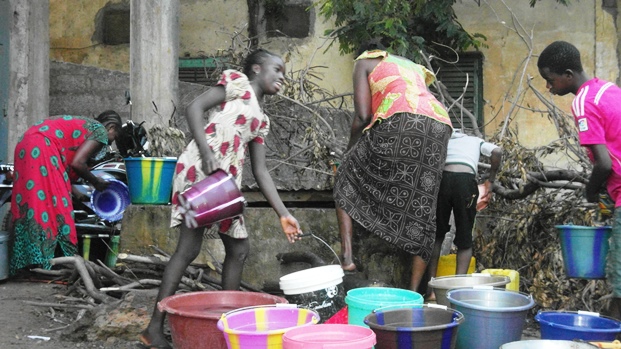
597, 112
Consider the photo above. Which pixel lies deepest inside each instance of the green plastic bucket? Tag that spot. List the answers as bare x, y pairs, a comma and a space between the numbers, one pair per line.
150, 179
364, 300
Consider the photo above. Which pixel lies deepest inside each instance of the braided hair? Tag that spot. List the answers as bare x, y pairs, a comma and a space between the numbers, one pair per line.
110, 116
259, 57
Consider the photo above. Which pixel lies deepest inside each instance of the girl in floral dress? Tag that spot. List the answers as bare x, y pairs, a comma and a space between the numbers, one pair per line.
236, 121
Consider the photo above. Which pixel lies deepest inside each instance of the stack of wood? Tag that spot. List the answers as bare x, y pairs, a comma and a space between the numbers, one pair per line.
96, 284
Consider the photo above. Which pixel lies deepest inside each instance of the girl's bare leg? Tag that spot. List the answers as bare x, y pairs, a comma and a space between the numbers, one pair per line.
188, 247
346, 232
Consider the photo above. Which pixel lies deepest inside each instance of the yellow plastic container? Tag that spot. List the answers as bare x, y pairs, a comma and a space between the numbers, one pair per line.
514, 284
448, 264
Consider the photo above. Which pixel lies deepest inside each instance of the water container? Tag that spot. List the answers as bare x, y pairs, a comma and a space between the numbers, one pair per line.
329, 336
547, 344
319, 289
4, 255
580, 325
514, 276
441, 285
429, 326
150, 179
584, 250
364, 300
493, 316
447, 265
262, 327
193, 316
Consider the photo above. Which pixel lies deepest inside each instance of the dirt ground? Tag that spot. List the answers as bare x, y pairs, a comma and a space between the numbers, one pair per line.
26, 326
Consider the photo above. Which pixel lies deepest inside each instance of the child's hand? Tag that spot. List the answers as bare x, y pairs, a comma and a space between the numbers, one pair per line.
291, 227
209, 163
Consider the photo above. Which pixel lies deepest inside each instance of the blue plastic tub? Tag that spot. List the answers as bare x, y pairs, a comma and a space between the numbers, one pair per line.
572, 325
584, 250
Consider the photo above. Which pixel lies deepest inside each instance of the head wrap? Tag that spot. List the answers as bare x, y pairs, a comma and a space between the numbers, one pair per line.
110, 116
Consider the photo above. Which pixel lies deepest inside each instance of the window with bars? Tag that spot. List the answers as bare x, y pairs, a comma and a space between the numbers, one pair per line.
468, 69
204, 71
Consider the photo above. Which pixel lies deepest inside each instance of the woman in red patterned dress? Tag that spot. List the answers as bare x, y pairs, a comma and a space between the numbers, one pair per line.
47, 158
236, 121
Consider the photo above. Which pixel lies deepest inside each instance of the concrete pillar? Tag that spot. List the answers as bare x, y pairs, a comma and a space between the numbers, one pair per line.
29, 82
154, 60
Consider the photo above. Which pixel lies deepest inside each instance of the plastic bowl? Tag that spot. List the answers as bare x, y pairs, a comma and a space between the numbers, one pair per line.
111, 203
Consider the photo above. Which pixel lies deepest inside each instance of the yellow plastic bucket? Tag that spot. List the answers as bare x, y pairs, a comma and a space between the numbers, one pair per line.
448, 263
514, 284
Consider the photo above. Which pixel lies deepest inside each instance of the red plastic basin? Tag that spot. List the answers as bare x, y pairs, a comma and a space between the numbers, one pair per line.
193, 317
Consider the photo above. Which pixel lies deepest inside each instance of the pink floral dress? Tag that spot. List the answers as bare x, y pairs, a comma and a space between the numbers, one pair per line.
233, 124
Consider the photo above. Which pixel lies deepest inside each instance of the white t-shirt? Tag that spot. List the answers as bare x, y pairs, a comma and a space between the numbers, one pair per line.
466, 150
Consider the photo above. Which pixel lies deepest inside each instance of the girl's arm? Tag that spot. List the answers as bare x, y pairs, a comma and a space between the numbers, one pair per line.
80, 163
194, 115
289, 224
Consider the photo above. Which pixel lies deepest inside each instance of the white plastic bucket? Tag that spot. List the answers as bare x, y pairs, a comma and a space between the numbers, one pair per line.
4, 255
319, 289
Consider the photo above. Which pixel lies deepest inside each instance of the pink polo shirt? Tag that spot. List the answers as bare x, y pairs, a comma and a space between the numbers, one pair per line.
597, 112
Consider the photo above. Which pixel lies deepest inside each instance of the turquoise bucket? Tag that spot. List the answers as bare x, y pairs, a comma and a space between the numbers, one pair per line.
364, 300
584, 250
150, 179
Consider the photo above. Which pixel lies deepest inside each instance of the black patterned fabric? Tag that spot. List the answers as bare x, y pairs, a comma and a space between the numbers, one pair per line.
389, 180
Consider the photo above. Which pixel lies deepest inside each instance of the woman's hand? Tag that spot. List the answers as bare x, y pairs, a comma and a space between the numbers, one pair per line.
100, 184
291, 227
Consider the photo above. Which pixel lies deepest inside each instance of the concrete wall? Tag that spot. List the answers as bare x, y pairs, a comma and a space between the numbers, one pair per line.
86, 90
148, 225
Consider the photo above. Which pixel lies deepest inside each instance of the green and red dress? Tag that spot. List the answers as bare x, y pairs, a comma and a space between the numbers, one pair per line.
41, 203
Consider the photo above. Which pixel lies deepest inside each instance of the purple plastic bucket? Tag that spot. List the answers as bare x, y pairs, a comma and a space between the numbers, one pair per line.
263, 327
212, 200
580, 325
584, 250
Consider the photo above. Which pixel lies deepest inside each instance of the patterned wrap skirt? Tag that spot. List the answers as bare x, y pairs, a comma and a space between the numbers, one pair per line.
389, 180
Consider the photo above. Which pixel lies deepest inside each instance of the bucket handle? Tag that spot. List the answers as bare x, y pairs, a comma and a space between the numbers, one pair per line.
457, 315
399, 306
277, 305
223, 317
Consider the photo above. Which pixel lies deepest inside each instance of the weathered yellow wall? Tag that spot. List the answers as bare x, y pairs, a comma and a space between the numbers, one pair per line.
72, 24
205, 28
515, 36
208, 26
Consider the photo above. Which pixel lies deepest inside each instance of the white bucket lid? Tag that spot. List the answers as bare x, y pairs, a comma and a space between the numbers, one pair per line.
312, 279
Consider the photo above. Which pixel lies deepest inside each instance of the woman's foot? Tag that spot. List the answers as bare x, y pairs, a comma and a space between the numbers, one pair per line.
430, 298
147, 341
347, 263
